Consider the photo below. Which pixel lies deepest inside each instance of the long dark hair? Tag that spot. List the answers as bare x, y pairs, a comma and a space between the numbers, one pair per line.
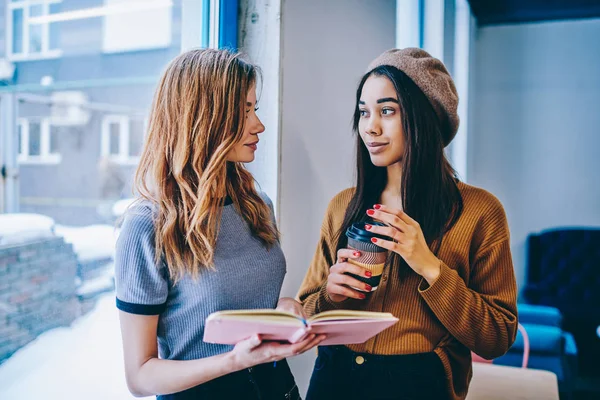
430, 193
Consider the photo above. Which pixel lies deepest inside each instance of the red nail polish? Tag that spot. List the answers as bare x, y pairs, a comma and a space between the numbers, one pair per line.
356, 254
374, 240
363, 296
377, 206
368, 288
368, 227
368, 274
370, 212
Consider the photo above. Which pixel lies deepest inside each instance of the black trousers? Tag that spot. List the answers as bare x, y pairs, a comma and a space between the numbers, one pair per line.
262, 382
339, 373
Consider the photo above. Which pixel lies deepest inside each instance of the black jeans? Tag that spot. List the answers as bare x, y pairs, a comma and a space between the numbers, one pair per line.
342, 374
262, 382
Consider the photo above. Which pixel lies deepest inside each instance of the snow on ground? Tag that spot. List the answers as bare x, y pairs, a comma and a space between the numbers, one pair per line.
19, 228
104, 282
120, 206
93, 242
84, 361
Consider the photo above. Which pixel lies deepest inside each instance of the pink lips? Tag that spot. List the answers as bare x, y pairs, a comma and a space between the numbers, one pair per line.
376, 148
253, 146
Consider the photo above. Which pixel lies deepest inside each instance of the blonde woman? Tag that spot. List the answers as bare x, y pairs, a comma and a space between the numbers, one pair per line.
201, 239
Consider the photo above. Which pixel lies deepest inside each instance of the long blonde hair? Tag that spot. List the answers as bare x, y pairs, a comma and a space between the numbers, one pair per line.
198, 115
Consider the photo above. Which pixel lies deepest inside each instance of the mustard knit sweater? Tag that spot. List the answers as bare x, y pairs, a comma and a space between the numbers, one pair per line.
470, 307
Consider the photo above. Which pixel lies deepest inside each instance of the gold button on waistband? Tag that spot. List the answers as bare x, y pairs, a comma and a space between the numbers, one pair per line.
359, 360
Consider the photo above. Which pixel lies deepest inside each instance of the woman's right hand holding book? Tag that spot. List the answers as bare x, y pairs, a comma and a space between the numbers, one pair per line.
254, 351
339, 284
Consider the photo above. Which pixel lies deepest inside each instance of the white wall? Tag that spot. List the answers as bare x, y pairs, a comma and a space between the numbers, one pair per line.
326, 47
535, 139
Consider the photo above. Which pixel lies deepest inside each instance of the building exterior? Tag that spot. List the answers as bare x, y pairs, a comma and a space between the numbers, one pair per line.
82, 88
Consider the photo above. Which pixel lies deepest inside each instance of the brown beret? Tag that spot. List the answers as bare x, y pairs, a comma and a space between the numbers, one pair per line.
432, 77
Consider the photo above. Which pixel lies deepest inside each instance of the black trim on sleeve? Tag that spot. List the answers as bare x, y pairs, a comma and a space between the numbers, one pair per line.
141, 309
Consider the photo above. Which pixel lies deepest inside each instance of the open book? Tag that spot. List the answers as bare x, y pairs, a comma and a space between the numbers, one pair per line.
340, 326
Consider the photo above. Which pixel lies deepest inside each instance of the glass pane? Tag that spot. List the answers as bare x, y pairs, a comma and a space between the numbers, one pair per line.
136, 137
35, 138
36, 10
17, 34
114, 137
36, 30
54, 28
62, 292
54, 139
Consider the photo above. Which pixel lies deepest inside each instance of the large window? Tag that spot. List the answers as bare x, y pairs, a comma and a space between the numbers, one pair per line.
37, 142
122, 139
28, 39
72, 126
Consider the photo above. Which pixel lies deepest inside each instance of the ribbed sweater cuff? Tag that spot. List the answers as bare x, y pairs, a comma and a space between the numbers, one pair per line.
442, 293
324, 302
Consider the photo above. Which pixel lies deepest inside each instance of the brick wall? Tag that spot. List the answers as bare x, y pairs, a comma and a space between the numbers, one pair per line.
90, 269
37, 291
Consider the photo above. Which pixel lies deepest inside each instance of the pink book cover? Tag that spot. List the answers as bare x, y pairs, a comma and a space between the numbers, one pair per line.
340, 326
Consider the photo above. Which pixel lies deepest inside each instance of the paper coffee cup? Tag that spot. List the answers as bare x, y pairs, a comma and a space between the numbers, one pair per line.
372, 257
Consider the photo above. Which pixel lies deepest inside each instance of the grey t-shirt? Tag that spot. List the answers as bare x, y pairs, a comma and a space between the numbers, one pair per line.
247, 275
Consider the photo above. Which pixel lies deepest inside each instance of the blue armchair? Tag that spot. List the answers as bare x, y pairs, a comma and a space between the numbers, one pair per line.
562, 272
550, 348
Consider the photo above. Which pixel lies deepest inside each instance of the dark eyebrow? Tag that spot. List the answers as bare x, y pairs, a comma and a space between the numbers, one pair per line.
384, 100
249, 104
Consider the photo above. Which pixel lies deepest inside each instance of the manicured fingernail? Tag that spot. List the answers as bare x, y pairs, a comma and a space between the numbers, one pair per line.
368, 274
363, 296
374, 240
377, 206
368, 227
370, 212
356, 254
368, 288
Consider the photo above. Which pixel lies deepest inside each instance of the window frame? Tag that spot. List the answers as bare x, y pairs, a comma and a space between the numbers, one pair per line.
124, 156
26, 55
195, 32
46, 157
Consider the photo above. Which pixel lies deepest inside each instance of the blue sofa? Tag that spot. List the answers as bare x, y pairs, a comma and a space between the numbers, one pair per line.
563, 271
551, 348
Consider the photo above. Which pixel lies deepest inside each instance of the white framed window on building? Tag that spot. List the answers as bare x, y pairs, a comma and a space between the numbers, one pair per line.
27, 39
122, 139
152, 28
38, 142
